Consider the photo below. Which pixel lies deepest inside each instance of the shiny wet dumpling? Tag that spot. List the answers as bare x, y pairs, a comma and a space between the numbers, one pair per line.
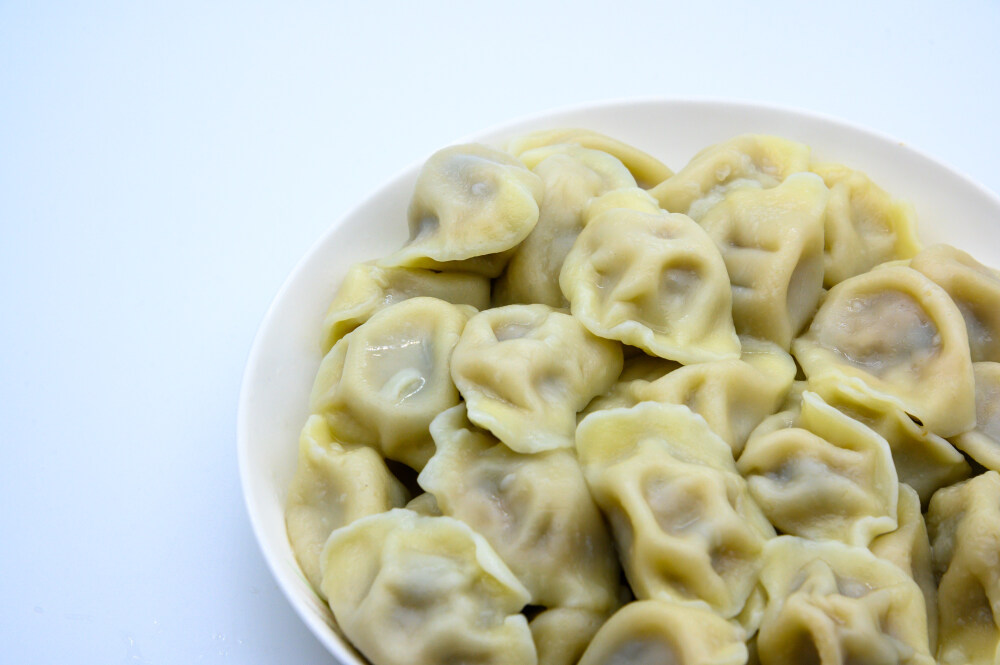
657, 632
684, 523
333, 486
974, 288
368, 288
908, 547
384, 383
645, 169
526, 370
983, 443
572, 176
750, 160
772, 243
901, 334
831, 604
864, 225
535, 510
471, 205
407, 589
561, 634
654, 280
733, 396
964, 525
825, 477
924, 461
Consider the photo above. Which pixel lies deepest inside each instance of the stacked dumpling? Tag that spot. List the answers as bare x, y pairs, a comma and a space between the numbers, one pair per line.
598, 412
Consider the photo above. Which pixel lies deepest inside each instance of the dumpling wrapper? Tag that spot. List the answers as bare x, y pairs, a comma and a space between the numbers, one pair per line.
407, 589
983, 442
901, 334
654, 280
472, 204
526, 370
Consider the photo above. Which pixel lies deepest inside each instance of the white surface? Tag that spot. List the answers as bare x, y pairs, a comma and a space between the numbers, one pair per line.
164, 166
285, 355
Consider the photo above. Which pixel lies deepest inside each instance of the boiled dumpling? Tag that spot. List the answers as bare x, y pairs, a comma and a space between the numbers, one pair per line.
413, 590
685, 525
864, 225
826, 477
654, 280
909, 549
384, 383
833, 604
561, 635
974, 288
526, 370
572, 177
367, 288
983, 443
733, 396
333, 485
901, 334
645, 168
535, 510
923, 460
964, 525
751, 160
772, 243
657, 632
471, 205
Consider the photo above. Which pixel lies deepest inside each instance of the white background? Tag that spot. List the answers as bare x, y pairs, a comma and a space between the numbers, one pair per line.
164, 165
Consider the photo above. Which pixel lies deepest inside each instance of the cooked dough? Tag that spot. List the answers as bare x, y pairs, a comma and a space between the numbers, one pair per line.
384, 383
367, 289
831, 604
654, 280
964, 525
902, 335
983, 443
535, 510
683, 520
472, 204
526, 370
657, 632
408, 589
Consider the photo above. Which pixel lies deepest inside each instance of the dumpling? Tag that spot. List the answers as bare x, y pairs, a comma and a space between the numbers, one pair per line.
332, 487
827, 477
654, 280
974, 288
656, 632
526, 370
367, 288
923, 460
572, 177
964, 525
646, 169
983, 443
909, 549
684, 523
750, 160
561, 634
901, 334
471, 204
535, 510
733, 396
772, 243
413, 590
384, 383
832, 604
864, 225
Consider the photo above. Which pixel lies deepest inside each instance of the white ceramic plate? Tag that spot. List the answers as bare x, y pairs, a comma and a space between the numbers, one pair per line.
286, 353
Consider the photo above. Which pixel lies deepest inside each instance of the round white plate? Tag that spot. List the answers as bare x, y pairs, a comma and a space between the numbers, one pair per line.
286, 353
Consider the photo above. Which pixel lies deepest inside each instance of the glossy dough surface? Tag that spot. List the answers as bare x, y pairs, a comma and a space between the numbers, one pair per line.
598, 412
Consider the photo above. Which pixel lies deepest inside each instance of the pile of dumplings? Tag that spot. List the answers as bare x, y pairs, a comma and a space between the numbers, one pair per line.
598, 412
